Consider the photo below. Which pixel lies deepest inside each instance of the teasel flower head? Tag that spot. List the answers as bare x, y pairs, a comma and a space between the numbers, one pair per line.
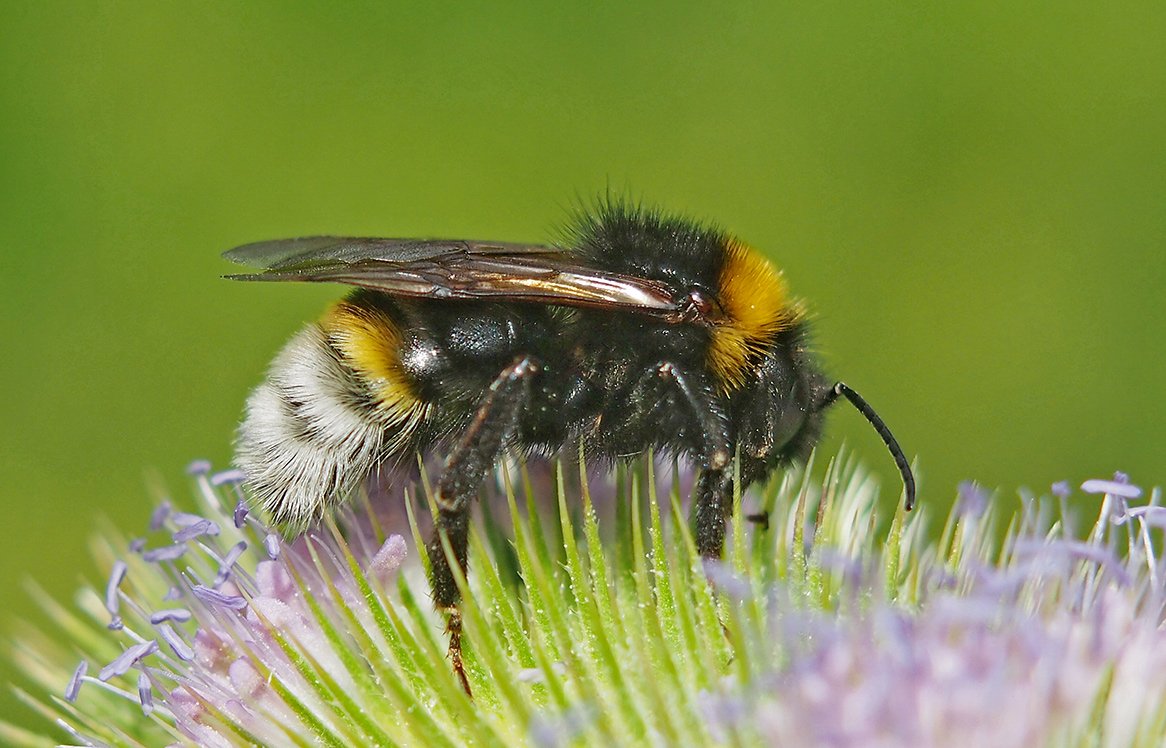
591, 620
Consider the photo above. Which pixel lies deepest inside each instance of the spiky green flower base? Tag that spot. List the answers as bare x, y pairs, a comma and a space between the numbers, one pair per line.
827, 628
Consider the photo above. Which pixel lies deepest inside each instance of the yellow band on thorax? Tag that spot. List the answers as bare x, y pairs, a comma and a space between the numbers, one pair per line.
757, 307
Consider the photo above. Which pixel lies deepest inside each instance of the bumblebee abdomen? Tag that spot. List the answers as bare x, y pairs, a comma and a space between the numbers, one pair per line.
370, 344
421, 367
309, 435
338, 402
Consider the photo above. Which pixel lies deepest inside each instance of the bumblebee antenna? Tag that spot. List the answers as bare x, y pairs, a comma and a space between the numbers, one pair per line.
888, 438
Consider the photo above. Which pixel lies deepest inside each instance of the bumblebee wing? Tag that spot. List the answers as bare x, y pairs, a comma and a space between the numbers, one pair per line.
453, 269
321, 251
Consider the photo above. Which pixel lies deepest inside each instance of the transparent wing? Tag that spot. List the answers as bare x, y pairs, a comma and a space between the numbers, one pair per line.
307, 251
453, 269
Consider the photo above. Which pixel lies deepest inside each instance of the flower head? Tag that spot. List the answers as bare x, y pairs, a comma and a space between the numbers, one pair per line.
828, 628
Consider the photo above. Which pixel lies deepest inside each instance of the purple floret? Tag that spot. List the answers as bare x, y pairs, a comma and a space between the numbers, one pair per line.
179, 615
187, 519
127, 659
215, 598
158, 518
240, 515
1111, 487
197, 530
74, 686
973, 499
176, 642
165, 553
145, 693
198, 467
229, 562
116, 575
1153, 516
228, 476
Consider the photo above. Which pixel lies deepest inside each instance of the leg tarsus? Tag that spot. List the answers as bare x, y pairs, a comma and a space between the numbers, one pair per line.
453, 627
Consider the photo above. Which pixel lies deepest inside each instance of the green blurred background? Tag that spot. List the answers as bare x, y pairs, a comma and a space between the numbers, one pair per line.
971, 195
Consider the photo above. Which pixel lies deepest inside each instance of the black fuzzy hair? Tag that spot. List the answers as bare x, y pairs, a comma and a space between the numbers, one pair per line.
622, 236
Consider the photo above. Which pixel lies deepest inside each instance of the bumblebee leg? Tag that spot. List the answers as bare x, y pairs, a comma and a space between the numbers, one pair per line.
709, 414
465, 470
714, 498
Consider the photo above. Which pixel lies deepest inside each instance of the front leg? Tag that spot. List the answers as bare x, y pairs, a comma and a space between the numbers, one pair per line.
465, 470
714, 496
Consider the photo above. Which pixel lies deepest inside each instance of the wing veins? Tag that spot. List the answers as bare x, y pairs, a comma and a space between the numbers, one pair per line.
456, 269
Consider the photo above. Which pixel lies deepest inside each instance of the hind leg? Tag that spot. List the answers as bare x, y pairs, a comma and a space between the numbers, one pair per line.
465, 470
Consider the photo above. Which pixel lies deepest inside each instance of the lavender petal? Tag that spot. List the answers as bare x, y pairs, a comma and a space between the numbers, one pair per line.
218, 599
1042, 548
178, 615
161, 512
74, 686
165, 553
1153, 516
388, 557
229, 562
228, 476
187, 519
128, 659
973, 499
198, 467
271, 543
176, 642
1113, 488
240, 515
197, 530
722, 578
116, 575
145, 693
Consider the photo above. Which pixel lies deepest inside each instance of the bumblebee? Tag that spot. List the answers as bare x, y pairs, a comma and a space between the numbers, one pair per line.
639, 331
